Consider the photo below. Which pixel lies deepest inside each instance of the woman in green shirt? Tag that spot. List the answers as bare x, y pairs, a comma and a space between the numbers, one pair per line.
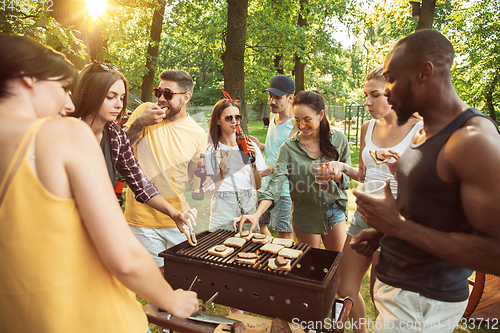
318, 211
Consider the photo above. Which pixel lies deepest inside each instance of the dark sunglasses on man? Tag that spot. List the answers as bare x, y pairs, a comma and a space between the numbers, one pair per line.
167, 93
229, 118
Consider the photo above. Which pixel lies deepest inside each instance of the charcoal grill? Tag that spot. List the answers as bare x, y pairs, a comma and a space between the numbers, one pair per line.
305, 292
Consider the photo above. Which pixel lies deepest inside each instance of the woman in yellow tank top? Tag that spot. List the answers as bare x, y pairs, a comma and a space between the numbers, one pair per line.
67, 256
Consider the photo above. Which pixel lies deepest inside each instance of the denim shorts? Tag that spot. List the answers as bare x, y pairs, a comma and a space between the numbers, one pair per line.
157, 240
279, 215
334, 214
356, 224
224, 206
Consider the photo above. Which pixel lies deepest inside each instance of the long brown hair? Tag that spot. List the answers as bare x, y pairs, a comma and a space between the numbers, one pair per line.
23, 56
315, 101
214, 128
92, 88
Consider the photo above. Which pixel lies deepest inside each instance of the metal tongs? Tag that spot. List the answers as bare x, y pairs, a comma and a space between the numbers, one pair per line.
209, 317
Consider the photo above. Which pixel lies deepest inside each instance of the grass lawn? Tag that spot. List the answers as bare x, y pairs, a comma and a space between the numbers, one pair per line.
257, 129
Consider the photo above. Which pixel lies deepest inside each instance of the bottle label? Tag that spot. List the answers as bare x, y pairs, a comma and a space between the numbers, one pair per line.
244, 145
196, 184
119, 187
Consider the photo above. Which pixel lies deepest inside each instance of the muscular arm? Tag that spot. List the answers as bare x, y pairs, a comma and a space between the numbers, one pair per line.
479, 180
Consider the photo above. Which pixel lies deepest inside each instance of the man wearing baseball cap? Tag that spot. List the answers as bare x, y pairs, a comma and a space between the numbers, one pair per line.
281, 89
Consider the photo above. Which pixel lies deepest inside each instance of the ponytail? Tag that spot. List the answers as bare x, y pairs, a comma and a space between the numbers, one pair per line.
315, 101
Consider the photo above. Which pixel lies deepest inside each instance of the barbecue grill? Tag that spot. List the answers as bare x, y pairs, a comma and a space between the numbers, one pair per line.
305, 292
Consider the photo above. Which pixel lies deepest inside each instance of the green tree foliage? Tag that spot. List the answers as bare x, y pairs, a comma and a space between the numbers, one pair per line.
33, 19
195, 31
274, 38
475, 31
378, 27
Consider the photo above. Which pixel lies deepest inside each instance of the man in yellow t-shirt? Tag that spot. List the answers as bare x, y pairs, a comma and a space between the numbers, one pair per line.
167, 143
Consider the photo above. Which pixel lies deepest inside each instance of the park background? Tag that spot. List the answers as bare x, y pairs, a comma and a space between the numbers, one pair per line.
239, 45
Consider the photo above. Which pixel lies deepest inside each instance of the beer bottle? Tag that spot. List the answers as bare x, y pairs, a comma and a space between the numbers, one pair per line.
200, 174
119, 190
243, 143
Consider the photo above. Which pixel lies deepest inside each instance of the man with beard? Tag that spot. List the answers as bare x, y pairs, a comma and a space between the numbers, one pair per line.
281, 89
444, 223
167, 143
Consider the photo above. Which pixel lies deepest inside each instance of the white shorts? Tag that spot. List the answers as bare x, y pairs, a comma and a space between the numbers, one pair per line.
157, 240
407, 311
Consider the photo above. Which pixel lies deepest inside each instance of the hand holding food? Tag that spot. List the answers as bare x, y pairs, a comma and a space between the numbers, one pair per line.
239, 221
152, 114
225, 165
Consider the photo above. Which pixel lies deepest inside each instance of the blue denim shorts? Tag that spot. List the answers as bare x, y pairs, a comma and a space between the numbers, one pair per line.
356, 224
334, 214
279, 215
224, 206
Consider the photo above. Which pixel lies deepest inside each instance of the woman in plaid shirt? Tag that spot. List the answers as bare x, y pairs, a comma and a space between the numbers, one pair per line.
100, 98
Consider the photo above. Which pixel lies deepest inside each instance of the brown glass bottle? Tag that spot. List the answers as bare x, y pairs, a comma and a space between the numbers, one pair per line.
243, 143
200, 174
119, 190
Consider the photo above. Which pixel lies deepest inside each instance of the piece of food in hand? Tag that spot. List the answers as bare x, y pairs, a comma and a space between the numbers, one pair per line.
290, 253
235, 241
247, 258
271, 248
246, 234
220, 250
221, 153
378, 156
283, 241
190, 237
262, 239
274, 265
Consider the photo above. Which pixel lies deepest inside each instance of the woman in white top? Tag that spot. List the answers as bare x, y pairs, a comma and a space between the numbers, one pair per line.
382, 132
236, 183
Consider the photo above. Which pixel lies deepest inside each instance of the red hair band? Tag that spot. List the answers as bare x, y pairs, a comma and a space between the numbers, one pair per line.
229, 99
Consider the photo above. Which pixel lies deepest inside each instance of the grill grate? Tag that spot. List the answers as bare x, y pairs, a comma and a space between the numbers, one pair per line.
305, 292
200, 252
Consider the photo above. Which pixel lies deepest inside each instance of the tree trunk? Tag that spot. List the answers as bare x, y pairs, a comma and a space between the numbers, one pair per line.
277, 63
489, 96
95, 43
148, 80
299, 65
233, 58
427, 11
71, 13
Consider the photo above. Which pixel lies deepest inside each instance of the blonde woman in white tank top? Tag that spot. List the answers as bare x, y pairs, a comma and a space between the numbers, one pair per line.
380, 132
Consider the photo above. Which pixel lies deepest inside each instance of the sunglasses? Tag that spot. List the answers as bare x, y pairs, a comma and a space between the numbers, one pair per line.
229, 118
167, 93
308, 123
106, 66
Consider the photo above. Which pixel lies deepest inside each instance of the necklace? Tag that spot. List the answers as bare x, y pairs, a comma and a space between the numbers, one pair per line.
312, 151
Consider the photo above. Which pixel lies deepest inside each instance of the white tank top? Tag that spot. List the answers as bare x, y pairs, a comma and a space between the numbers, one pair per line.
376, 171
